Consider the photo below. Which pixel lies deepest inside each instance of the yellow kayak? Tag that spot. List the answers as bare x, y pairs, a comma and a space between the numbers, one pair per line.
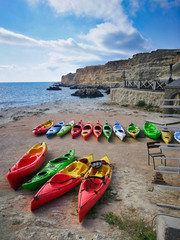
166, 136
133, 130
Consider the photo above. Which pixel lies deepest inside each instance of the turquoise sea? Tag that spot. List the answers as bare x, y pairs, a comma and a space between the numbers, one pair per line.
33, 93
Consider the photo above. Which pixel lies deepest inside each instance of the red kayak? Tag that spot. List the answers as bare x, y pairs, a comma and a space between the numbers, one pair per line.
76, 129
94, 185
62, 182
29, 163
87, 130
97, 130
43, 128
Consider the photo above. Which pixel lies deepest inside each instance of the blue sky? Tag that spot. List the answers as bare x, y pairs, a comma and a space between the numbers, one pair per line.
41, 40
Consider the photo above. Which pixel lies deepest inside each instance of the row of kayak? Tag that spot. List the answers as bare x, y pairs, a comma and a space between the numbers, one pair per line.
62, 128
60, 175
133, 130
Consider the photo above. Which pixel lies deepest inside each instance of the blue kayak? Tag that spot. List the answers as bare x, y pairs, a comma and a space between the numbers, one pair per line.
54, 129
177, 136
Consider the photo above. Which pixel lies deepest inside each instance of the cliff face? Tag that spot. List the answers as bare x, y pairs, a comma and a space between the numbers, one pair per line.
143, 66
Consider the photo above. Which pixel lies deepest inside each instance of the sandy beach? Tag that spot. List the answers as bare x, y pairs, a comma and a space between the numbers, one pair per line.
134, 194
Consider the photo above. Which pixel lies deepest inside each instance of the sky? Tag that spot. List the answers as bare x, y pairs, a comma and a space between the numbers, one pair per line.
41, 40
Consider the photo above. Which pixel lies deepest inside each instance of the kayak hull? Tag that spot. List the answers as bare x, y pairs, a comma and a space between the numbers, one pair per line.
107, 130
94, 185
43, 128
76, 129
166, 136
177, 136
54, 129
87, 130
65, 129
150, 130
51, 168
119, 131
28, 164
133, 130
90, 198
51, 190
97, 130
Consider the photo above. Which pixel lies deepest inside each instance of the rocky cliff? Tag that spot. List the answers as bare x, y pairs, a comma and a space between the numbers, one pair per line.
143, 66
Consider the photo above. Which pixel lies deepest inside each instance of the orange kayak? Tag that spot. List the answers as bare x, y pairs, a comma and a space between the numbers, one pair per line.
97, 130
87, 130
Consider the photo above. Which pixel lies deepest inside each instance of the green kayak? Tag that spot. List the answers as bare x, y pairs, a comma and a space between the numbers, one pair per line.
133, 130
51, 168
107, 130
66, 128
151, 131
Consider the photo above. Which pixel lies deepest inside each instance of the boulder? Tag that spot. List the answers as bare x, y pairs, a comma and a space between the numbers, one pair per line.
54, 87
88, 93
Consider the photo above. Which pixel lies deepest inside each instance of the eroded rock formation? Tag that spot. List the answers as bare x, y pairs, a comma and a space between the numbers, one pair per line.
143, 66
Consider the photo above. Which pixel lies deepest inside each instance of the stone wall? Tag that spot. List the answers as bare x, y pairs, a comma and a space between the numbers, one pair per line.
131, 96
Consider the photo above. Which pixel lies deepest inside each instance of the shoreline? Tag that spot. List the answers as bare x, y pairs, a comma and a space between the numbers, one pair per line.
134, 194
16, 113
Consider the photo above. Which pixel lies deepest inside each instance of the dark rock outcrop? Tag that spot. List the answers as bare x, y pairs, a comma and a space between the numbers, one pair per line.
54, 87
88, 93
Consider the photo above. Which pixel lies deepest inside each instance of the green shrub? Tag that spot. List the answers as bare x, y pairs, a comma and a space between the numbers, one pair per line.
140, 103
125, 105
149, 107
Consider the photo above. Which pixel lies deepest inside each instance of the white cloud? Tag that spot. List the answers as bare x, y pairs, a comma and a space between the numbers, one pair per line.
114, 38
107, 10
11, 67
9, 37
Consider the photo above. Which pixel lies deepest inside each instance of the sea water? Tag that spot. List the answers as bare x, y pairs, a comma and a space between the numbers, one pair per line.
33, 93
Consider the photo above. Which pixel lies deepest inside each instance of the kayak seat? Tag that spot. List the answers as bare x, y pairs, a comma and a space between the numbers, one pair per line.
26, 161
58, 160
70, 168
35, 151
99, 172
107, 128
119, 130
77, 127
85, 132
87, 127
97, 127
75, 169
158, 153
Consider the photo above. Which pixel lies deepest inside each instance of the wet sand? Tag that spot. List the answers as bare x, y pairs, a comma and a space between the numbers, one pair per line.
134, 195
